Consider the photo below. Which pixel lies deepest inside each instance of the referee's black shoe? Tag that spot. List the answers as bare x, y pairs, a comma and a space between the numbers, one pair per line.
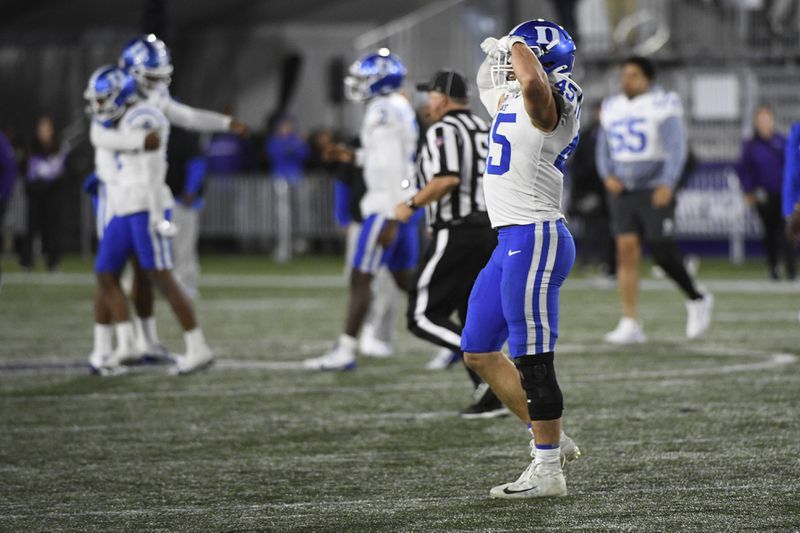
488, 405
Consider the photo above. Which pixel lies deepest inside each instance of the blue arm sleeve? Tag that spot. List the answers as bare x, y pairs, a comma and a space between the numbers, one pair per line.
673, 136
196, 170
791, 171
90, 184
341, 198
602, 155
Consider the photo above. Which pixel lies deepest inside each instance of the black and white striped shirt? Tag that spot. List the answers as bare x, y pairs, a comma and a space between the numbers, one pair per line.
456, 145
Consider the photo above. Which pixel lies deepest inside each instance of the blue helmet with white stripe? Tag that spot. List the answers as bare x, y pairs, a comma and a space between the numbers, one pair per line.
556, 45
147, 59
109, 92
550, 42
377, 73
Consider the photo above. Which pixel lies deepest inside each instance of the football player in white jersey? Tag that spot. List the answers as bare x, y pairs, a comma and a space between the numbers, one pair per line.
147, 60
388, 143
641, 150
135, 186
525, 85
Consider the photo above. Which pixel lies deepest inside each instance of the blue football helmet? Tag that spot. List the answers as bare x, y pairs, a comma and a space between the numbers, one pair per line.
147, 59
550, 42
378, 73
109, 92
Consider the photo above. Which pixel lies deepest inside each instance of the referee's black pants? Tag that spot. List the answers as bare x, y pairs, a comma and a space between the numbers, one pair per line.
452, 262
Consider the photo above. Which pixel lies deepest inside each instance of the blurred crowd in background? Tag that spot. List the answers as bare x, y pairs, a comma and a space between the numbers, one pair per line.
41, 220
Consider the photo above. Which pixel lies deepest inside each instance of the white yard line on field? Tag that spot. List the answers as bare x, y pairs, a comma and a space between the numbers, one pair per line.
328, 281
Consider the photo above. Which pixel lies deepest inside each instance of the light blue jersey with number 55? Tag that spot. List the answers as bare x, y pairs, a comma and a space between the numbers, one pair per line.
642, 141
524, 177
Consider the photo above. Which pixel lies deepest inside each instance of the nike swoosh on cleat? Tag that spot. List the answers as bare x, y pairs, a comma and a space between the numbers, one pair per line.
509, 491
514, 252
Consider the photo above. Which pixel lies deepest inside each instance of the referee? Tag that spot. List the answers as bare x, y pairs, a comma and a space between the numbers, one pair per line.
450, 166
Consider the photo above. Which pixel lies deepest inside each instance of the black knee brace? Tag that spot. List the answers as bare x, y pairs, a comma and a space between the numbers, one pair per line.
538, 376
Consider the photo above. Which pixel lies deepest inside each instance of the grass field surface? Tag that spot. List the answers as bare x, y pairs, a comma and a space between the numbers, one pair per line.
677, 436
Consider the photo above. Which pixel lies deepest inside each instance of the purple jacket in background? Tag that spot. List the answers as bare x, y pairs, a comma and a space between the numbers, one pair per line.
8, 168
761, 166
227, 153
43, 167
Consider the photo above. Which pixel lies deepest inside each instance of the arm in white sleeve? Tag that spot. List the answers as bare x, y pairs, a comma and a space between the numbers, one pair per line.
194, 119
115, 139
490, 97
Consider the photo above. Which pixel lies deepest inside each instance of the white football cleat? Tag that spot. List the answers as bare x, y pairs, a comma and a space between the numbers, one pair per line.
194, 360
535, 482
699, 316
372, 346
538, 482
105, 364
155, 354
569, 450
336, 359
444, 359
628, 331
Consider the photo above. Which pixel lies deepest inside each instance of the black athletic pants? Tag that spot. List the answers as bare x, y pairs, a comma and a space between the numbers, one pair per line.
452, 262
43, 204
775, 241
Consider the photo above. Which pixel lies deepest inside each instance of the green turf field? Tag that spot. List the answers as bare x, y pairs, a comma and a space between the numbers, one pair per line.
676, 436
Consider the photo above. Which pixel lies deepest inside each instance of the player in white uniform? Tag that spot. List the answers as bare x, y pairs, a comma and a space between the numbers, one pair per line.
536, 109
148, 61
641, 150
136, 189
388, 140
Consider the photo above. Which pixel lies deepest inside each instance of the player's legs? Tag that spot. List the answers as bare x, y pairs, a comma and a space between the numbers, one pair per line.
141, 290
187, 266
542, 256
624, 210
484, 333
360, 297
154, 254
377, 333
659, 228
366, 261
629, 253
430, 305
113, 252
538, 261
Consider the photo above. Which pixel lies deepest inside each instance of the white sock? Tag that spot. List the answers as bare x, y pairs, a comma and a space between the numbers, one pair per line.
142, 340
126, 336
103, 338
195, 341
548, 458
348, 343
149, 326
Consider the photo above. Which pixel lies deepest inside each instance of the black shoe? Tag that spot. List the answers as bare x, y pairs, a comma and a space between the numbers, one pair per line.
487, 405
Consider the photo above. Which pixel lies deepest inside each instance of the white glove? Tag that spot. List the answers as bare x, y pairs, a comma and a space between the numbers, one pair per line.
165, 228
489, 46
505, 43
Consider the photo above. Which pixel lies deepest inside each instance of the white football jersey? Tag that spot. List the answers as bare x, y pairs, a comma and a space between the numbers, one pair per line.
524, 180
187, 117
388, 145
632, 124
139, 177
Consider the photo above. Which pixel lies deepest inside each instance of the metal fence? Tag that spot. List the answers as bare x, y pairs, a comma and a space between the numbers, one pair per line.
269, 214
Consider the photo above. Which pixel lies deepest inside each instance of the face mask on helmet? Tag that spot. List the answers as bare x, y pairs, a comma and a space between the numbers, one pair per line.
108, 93
374, 74
147, 59
550, 42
